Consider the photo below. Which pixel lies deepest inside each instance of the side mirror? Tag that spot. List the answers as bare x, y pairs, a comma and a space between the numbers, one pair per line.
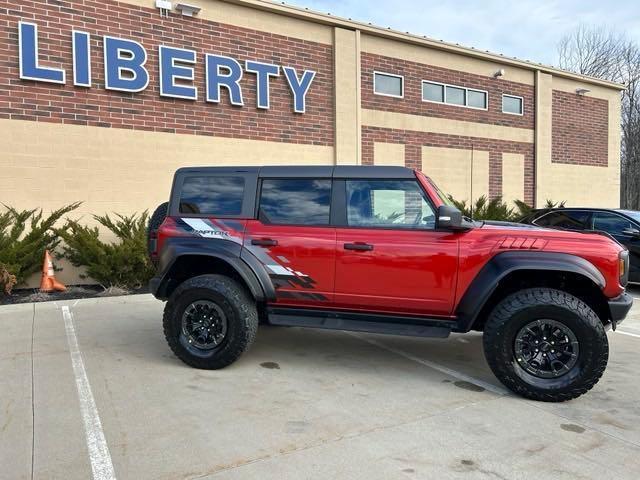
450, 218
632, 232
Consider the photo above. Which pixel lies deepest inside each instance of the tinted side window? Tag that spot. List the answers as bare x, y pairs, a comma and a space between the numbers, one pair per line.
387, 203
572, 220
216, 196
295, 201
610, 223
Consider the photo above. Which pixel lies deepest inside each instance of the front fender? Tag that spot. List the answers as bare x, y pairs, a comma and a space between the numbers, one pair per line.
501, 265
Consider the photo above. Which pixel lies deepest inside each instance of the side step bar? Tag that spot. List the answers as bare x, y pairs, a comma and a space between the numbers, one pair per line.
360, 322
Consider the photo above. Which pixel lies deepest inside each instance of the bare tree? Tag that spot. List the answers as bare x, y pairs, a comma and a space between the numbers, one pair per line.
602, 53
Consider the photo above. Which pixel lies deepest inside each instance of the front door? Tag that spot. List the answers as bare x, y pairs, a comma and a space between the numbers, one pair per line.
389, 257
293, 239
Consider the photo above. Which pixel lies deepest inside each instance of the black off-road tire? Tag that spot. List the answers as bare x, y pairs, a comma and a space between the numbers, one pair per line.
522, 307
238, 307
155, 221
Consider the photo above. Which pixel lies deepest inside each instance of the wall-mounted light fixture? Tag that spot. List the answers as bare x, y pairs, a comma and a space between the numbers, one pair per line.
582, 91
499, 73
164, 6
188, 10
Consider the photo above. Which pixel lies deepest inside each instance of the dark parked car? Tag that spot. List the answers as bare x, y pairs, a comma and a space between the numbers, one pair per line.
623, 225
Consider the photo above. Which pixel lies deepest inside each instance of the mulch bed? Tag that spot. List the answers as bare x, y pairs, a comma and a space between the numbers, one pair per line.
29, 295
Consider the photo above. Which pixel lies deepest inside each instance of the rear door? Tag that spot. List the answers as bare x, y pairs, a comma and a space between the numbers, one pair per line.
292, 235
389, 257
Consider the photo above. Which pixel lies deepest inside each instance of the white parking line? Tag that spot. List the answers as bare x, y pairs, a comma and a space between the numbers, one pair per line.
435, 366
101, 464
627, 333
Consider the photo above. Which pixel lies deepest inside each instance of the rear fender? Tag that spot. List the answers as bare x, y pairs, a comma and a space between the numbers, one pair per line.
244, 263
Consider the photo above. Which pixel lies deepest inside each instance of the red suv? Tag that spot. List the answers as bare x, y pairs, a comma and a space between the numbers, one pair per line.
380, 249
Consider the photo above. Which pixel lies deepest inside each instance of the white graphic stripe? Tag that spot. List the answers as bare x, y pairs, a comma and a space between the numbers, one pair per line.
199, 225
280, 270
101, 464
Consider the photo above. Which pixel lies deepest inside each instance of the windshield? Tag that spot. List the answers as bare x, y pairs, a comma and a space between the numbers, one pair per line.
446, 199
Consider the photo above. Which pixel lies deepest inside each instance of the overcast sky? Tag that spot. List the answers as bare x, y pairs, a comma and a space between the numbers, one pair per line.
527, 29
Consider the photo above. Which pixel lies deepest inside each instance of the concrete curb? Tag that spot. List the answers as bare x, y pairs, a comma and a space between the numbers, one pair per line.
135, 298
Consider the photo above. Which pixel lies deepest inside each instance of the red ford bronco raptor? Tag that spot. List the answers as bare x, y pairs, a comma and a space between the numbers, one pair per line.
380, 249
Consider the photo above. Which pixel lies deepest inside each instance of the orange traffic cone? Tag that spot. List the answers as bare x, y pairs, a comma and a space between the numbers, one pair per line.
49, 282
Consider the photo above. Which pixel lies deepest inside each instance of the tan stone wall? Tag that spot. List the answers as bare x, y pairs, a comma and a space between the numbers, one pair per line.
347, 96
512, 177
451, 169
391, 154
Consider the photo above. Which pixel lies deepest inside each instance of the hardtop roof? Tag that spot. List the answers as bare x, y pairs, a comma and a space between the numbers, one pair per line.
308, 171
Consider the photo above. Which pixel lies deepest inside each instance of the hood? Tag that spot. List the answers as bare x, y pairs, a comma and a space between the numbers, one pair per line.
561, 232
525, 226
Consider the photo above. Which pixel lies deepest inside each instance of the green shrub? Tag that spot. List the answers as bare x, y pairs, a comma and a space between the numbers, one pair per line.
24, 237
485, 209
497, 210
123, 263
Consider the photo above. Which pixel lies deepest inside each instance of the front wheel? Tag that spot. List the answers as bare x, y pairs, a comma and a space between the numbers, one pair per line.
545, 344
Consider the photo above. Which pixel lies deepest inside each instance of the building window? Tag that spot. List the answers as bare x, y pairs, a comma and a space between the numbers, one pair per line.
476, 99
454, 95
433, 92
388, 84
295, 201
512, 105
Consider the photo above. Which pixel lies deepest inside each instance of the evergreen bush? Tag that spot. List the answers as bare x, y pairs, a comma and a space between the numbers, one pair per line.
123, 264
497, 210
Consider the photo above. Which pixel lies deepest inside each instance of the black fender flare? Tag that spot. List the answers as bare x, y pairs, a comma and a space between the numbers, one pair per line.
244, 263
502, 264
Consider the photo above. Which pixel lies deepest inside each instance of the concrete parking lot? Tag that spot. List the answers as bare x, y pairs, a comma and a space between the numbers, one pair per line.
89, 388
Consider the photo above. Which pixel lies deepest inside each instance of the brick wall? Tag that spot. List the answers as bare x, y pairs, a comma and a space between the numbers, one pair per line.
412, 102
580, 129
26, 100
414, 141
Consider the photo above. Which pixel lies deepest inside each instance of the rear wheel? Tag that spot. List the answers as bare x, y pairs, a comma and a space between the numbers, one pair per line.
155, 221
209, 321
545, 344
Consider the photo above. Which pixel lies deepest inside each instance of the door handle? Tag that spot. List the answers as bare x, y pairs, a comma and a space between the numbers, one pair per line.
361, 247
264, 242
